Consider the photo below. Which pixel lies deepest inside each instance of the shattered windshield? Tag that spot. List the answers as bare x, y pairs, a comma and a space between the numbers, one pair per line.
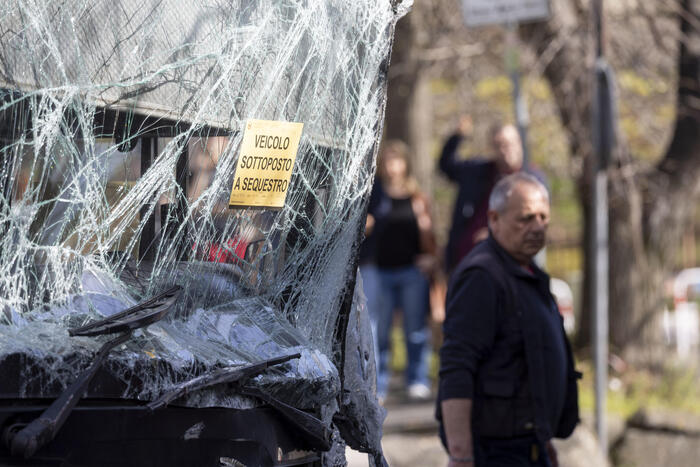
121, 125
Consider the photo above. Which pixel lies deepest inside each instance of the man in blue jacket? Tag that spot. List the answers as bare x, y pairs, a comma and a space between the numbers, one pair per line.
507, 378
476, 178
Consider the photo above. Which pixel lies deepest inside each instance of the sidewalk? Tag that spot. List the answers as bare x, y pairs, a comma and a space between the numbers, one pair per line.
410, 434
410, 438
411, 417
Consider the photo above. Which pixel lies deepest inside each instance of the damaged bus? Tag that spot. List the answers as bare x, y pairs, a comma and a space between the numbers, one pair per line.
184, 191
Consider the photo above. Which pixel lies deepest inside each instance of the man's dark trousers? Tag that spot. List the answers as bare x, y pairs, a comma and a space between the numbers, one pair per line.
527, 451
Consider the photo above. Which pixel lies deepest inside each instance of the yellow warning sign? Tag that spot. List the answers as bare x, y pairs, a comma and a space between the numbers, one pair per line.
265, 164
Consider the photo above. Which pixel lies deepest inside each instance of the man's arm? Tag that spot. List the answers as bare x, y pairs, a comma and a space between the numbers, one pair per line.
456, 419
469, 333
449, 164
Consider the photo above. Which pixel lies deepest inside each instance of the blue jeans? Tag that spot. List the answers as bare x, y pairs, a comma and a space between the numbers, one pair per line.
514, 452
408, 289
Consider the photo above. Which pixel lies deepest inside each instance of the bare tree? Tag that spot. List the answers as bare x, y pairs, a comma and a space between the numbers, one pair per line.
408, 101
429, 42
649, 206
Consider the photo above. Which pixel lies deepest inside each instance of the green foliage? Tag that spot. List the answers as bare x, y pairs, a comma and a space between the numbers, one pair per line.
646, 112
562, 260
537, 89
399, 358
442, 86
565, 207
631, 81
676, 387
493, 88
497, 92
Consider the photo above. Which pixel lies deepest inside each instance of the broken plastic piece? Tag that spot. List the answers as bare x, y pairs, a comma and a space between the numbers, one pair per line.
313, 429
223, 375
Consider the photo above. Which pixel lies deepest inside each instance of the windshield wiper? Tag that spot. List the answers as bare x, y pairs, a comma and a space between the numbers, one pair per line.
220, 376
26, 440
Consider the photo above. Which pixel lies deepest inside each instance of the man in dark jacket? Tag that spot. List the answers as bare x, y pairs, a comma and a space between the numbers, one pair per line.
476, 178
507, 380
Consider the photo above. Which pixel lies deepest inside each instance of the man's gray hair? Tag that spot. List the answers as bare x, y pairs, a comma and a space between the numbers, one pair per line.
504, 188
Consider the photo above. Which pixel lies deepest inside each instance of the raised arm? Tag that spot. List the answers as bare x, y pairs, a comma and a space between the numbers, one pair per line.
450, 164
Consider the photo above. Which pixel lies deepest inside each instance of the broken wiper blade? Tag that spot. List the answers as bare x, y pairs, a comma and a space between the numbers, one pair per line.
222, 375
137, 316
26, 440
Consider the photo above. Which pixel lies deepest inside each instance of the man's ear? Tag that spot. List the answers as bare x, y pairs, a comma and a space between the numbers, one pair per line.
492, 218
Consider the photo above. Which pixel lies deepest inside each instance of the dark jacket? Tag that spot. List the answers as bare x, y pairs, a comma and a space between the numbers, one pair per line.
505, 348
474, 178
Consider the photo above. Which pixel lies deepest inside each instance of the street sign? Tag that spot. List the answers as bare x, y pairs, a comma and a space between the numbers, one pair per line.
483, 12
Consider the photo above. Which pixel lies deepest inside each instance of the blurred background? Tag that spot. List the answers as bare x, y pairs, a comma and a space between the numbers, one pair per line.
442, 70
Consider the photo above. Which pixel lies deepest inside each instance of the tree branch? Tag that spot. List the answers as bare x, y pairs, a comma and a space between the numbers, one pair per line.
566, 70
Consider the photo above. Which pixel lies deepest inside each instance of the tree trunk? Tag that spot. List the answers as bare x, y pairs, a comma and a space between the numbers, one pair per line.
647, 210
569, 78
409, 105
636, 274
659, 211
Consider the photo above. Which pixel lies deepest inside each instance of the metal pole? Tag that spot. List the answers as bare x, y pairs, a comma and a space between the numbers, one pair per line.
599, 284
512, 59
600, 303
